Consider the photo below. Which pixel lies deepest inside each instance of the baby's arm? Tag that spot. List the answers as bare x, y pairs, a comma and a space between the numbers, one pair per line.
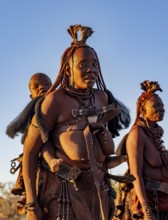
114, 161
48, 154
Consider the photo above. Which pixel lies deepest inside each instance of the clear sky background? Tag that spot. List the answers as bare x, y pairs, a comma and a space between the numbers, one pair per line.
131, 40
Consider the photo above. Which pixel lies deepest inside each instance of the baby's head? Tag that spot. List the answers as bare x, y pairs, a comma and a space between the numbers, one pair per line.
39, 84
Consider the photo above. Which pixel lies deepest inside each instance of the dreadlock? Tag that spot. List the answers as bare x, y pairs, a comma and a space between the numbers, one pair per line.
62, 79
149, 87
123, 119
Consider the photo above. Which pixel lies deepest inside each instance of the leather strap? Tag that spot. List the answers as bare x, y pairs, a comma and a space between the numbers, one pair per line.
121, 179
89, 144
108, 116
92, 160
88, 112
156, 185
82, 123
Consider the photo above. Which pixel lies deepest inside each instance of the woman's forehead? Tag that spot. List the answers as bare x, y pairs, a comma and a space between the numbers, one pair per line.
154, 99
84, 52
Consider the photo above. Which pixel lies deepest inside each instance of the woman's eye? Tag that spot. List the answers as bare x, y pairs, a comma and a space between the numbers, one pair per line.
95, 64
36, 86
82, 64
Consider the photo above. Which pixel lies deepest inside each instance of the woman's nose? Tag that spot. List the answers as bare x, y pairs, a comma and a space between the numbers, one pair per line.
41, 87
88, 69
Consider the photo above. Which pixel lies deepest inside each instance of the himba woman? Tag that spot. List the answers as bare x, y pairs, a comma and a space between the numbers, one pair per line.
147, 159
74, 116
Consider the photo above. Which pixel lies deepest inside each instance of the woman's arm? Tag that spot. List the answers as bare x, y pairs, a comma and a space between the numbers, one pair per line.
135, 151
114, 161
135, 146
32, 147
31, 150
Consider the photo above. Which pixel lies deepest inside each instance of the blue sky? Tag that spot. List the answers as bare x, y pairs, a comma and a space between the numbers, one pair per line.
131, 40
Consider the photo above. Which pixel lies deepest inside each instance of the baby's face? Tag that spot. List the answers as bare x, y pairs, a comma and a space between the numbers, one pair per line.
39, 85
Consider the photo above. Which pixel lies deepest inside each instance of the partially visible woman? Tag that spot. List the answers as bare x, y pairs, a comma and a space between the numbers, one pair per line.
147, 159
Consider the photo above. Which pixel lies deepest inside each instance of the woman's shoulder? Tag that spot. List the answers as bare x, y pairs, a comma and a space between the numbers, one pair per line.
101, 95
99, 91
56, 94
136, 134
135, 129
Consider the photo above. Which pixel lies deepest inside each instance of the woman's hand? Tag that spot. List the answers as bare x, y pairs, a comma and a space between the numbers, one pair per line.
35, 215
148, 215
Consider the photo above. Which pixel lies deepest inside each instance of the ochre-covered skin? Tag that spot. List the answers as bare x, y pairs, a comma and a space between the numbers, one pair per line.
147, 157
81, 72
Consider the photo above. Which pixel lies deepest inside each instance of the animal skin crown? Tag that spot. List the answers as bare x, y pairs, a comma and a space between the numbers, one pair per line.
84, 32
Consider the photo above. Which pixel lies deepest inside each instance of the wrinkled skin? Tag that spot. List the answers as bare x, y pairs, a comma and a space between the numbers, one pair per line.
82, 72
140, 148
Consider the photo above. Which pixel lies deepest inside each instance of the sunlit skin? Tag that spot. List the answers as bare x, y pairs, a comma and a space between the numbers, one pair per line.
84, 64
39, 84
154, 109
83, 71
143, 157
48, 154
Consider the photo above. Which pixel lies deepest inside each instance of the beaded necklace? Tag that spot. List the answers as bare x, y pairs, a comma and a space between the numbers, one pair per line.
82, 97
76, 93
155, 134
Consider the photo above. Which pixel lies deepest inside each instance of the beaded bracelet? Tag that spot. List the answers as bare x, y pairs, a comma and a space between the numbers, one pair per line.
148, 211
144, 204
32, 206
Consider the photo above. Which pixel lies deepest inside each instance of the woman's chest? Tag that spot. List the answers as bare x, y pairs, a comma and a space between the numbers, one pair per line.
152, 154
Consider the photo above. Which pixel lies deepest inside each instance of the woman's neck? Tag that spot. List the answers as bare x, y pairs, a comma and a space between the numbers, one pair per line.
80, 93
